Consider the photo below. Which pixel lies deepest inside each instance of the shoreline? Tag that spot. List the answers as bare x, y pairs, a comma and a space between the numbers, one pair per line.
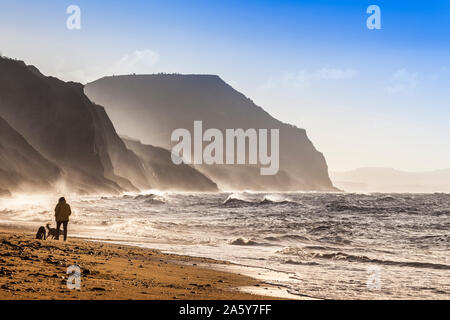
37, 269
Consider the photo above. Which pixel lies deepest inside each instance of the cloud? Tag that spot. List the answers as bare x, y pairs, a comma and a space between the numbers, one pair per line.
403, 81
139, 61
304, 79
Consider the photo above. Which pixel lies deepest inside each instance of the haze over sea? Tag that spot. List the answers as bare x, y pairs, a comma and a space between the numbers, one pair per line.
321, 245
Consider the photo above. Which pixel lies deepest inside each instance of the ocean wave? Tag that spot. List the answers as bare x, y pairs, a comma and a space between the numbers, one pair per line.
443, 212
386, 198
293, 237
302, 263
373, 207
342, 256
150, 199
232, 201
434, 239
335, 239
268, 201
320, 229
272, 238
315, 247
244, 242
237, 200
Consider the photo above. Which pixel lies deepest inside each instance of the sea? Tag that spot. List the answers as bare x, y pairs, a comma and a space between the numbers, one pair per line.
303, 244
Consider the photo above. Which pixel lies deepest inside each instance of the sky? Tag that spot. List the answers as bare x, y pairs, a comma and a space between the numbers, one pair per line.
367, 97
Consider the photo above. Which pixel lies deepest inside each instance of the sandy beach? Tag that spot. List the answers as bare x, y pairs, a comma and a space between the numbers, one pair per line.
37, 269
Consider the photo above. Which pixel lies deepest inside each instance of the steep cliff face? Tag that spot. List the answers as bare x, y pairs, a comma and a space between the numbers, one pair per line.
150, 107
59, 121
121, 165
22, 168
164, 174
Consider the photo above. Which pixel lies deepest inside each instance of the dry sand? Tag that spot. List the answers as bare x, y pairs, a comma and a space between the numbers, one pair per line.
37, 269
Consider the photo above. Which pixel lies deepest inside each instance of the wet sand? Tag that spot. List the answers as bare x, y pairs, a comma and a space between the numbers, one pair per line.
37, 269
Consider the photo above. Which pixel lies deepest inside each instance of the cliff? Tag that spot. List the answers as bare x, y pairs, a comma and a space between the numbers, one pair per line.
22, 168
150, 107
63, 125
55, 138
166, 175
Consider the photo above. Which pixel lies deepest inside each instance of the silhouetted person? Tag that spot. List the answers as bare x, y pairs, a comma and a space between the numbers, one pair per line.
62, 213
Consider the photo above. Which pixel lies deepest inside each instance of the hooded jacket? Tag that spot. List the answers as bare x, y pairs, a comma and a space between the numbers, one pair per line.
62, 211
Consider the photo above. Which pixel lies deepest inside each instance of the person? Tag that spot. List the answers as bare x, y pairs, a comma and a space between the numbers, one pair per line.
62, 213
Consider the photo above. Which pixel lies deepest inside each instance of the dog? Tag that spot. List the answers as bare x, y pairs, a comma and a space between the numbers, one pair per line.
53, 232
41, 234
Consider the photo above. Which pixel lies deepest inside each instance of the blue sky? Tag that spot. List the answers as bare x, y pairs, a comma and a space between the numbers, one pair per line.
366, 97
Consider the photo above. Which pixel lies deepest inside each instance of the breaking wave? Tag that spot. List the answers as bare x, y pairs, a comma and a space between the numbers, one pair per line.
342, 256
150, 199
237, 200
244, 242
